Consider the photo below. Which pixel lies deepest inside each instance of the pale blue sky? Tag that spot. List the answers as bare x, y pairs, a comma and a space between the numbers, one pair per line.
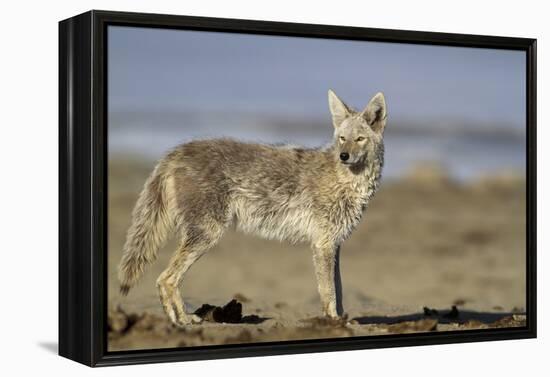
162, 70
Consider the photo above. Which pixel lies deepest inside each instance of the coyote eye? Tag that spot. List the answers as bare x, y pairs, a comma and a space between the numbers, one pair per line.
360, 138
342, 138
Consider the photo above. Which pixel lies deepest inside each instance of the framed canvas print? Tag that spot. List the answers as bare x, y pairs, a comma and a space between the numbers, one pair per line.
235, 188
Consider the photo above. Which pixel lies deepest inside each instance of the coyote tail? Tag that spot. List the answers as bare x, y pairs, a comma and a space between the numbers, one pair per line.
151, 224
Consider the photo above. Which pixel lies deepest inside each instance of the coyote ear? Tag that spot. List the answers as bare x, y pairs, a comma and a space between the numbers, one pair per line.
338, 109
375, 113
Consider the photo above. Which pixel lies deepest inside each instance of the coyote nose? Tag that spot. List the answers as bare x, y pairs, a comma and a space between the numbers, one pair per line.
344, 156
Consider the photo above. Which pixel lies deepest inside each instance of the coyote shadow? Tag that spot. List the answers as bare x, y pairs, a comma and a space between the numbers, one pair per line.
443, 317
253, 319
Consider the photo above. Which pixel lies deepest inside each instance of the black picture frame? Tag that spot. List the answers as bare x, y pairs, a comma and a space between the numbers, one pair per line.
83, 187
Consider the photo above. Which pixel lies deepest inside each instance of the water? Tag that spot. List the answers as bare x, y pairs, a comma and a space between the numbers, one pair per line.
463, 150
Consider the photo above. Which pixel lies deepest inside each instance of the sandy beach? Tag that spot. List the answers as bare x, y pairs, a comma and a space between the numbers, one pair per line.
426, 244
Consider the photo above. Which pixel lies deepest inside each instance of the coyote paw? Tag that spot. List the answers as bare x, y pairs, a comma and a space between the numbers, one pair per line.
337, 319
194, 318
188, 319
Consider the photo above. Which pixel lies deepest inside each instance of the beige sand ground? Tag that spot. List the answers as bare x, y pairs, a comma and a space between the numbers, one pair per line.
424, 242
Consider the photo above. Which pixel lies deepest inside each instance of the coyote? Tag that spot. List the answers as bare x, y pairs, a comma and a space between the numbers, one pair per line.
201, 188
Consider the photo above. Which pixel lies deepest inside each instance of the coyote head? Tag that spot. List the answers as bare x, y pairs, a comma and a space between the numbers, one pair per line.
357, 135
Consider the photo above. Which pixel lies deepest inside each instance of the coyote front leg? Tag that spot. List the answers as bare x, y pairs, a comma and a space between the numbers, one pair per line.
327, 269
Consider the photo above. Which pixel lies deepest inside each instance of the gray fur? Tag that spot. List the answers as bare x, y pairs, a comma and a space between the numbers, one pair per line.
277, 192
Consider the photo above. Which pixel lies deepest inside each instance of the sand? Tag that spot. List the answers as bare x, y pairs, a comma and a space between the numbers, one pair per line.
425, 242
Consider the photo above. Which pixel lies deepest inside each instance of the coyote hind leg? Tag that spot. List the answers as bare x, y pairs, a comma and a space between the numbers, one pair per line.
189, 251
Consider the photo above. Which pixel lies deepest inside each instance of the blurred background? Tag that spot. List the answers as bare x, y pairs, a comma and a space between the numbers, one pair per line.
461, 107
447, 226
